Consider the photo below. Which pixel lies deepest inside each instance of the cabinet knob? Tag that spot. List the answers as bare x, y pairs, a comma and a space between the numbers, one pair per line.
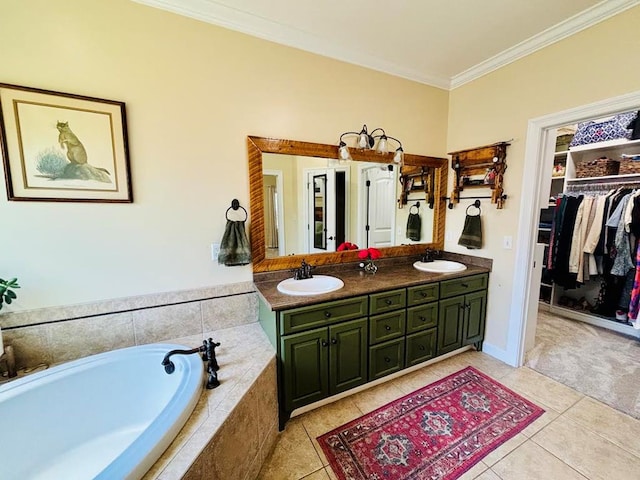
388, 302
423, 294
324, 343
387, 328
423, 319
387, 359
334, 341
327, 314
421, 347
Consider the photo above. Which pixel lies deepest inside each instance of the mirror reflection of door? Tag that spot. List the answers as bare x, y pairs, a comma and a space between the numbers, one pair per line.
327, 209
273, 214
377, 186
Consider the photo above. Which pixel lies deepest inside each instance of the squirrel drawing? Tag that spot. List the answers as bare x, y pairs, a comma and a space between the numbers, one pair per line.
67, 139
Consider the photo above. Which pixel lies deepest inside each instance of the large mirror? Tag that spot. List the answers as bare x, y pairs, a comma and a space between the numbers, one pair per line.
305, 204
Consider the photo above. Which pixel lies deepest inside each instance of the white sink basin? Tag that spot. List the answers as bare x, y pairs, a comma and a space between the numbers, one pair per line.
310, 286
440, 266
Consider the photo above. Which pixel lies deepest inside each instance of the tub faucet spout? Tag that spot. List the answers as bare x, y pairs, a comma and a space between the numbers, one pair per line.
208, 350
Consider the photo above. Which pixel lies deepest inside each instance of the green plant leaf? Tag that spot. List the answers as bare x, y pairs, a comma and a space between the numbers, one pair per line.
11, 294
7, 300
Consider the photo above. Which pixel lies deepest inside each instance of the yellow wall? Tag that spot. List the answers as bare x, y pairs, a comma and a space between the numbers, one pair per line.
193, 93
595, 64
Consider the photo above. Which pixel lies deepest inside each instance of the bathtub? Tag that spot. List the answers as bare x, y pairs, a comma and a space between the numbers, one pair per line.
108, 416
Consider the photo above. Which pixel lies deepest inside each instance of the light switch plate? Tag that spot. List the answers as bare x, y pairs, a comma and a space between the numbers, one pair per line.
215, 250
507, 242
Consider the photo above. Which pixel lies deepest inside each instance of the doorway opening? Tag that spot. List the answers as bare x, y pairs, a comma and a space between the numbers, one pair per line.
540, 146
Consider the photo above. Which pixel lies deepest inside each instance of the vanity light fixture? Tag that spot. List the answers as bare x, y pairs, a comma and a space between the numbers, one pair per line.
367, 141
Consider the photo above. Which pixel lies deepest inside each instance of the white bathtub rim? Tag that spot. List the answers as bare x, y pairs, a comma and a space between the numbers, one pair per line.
134, 462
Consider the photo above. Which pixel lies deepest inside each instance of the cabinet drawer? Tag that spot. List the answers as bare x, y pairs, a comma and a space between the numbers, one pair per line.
304, 318
460, 286
386, 358
386, 326
421, 347
422, 317
422, 294
387, 301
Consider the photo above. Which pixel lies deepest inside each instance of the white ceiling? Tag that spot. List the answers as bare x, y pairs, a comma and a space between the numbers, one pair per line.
444, 43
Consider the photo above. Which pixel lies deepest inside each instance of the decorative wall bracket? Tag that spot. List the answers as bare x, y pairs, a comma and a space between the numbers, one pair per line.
480, 167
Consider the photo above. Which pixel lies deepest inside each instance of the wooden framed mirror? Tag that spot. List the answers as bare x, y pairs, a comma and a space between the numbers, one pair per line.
318, 203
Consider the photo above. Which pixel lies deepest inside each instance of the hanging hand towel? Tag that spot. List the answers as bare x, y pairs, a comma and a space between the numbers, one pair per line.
234, 247
472, 231
414, 225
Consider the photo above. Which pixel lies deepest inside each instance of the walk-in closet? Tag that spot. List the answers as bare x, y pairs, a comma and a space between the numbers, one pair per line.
588, 233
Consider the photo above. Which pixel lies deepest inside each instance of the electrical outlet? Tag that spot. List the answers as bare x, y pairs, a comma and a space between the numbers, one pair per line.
507, 242
215, 250
448, 236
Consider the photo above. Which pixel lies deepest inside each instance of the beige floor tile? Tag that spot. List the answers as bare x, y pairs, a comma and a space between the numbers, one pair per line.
531, 461
491, 475
318, 475
293, 456
325, 419
587, 452
474, 471
615, 426
547, 417
378, 396
329, 471
485, 363
530, 383
504, 449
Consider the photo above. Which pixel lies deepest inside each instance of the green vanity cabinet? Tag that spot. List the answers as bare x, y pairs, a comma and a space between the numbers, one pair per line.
331, 347
323, 362
461, 315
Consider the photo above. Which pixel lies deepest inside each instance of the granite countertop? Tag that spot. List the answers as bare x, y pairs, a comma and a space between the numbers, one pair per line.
392, 273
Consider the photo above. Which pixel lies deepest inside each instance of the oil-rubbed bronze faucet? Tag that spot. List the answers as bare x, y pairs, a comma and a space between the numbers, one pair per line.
303, 272
430, 255
208, 349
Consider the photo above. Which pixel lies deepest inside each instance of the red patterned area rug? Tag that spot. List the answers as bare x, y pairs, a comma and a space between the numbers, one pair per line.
437, 432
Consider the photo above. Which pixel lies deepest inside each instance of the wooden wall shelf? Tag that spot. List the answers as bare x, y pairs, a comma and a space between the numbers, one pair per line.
480, 167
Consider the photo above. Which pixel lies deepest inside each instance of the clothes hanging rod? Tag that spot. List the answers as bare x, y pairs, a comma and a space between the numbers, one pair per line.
477, 199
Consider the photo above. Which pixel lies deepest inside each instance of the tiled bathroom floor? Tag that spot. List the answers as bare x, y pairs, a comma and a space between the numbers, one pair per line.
577, 437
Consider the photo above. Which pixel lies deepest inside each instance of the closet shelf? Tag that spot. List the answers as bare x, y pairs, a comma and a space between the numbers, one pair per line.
630, 177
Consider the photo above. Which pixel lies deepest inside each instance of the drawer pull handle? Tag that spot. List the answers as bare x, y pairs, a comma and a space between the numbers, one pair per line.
327, 314
423, 294
387, 328
324, 343
388, 302
387, 359
464, 285
423, 319
334, 341
421, 347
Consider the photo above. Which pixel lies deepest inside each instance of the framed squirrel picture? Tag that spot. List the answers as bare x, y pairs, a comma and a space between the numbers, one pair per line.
61, 147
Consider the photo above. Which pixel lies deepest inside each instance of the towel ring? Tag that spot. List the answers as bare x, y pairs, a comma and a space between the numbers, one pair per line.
235, 205
475, 204
416, 206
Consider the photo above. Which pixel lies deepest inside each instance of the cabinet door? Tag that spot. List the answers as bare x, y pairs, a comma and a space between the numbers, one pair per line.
450, 321
476, 306
305, 358
347, 355
386, 358
421, 347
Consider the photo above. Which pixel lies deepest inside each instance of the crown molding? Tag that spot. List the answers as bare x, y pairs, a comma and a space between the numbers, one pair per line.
596, 14
233, 19
214, 13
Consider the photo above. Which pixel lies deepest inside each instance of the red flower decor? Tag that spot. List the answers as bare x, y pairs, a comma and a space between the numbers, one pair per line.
370, 254
347, 246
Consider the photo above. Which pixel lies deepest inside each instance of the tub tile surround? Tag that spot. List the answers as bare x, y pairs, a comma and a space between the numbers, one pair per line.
239, 416
233, 427
61, 334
